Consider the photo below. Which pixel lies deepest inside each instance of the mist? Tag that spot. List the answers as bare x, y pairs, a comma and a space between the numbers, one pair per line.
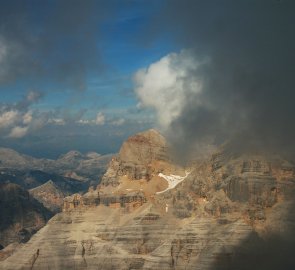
239, 86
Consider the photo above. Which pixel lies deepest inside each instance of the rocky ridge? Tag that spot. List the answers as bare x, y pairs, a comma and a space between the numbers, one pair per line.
227, 207
49, 195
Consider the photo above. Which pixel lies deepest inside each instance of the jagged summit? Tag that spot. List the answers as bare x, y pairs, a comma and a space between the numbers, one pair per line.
144, 147
137, 166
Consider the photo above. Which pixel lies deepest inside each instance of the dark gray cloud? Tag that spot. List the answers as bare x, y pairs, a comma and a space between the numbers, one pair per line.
247, 53
51, 39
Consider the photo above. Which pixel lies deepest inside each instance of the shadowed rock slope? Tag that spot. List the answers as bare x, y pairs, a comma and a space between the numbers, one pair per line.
224, 214
20, 214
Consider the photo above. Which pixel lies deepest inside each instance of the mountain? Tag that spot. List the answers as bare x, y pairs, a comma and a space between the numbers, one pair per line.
141, 157
20, 214
48, 182
49, 195
226, 211
29, 179
89, 167
12, 159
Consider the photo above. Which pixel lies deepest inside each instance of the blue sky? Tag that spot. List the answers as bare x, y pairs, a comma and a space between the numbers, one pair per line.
85, 75
103, 68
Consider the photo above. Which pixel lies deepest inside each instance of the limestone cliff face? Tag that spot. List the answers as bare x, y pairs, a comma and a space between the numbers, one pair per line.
141, 156
92, 198
227, 212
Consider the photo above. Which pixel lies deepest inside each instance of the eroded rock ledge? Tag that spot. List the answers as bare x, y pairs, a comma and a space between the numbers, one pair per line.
128, 201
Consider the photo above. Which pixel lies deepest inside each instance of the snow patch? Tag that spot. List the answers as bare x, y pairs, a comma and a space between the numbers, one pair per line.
173, 180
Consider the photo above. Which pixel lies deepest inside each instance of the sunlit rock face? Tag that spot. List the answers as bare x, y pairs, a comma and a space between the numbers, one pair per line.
139, 158
225, 212
49, 195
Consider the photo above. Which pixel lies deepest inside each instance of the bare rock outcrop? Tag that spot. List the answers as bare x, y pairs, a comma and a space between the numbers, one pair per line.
92, 198
140, 157
225, 207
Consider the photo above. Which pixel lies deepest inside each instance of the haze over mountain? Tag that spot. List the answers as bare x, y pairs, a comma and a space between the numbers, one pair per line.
88, 167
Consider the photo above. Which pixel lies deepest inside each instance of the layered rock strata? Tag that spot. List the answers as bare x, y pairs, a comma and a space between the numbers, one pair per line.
229, 212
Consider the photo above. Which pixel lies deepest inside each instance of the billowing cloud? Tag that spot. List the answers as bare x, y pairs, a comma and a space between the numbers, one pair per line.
242, 69
18, 119
8, 118
18, 132
165, 85
27, 118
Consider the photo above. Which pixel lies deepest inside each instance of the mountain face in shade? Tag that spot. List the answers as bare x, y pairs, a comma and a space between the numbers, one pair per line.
227, 211
20, 214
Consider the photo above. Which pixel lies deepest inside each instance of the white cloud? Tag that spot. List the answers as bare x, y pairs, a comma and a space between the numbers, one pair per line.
165, 85
118, 122
84, 122
18, 132
100, 119
8, 118
27, 117
17, 119
57, 121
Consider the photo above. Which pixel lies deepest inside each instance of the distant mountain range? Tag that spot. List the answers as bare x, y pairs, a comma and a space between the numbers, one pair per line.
85, 167
32, 189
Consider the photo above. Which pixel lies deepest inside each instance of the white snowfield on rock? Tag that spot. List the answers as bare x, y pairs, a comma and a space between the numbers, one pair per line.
173, 180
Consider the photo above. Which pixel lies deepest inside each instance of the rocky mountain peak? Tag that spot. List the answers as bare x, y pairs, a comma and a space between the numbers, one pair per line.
149, 213
71, 155
142, 157
144, 147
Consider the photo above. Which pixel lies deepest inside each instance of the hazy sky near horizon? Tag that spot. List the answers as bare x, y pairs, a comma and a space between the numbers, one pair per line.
85, 75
